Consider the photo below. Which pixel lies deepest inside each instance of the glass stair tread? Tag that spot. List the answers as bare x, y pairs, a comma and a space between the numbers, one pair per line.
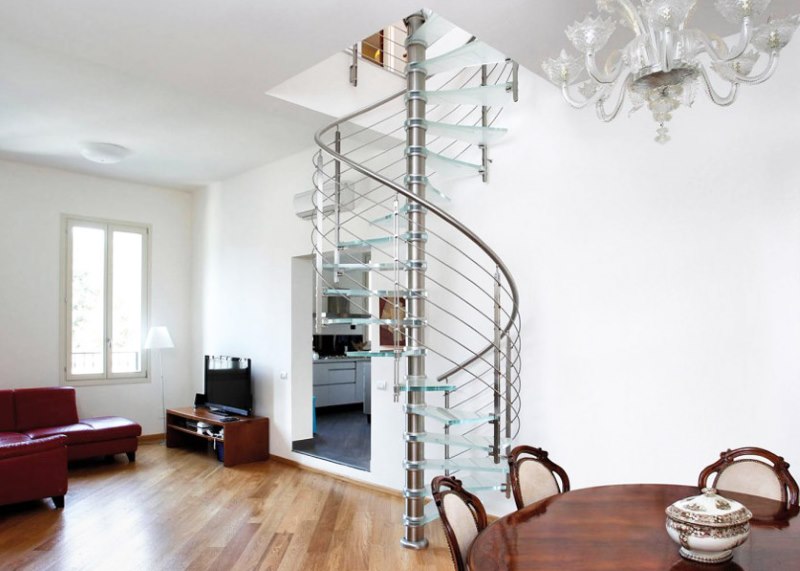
473, 134
424, 384
476, 441
434, 28
430, 513
405, 236
404, 293
481, 482
449, 416
440, 162
486, 464
376, 266
485, 95
402, 210
412, 322
416, 352
468, 55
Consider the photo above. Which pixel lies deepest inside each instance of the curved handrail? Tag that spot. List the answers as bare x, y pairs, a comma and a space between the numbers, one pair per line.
434, 210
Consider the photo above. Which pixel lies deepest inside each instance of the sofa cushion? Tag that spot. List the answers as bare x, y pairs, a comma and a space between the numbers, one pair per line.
13, 438
112, 427
77, 433
16, 449
45, 407
7, 411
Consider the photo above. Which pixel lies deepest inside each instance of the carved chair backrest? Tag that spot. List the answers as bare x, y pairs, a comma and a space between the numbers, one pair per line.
753, 471
534, 476
462, 515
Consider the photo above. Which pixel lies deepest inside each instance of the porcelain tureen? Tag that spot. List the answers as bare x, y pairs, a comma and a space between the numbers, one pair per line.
708, 526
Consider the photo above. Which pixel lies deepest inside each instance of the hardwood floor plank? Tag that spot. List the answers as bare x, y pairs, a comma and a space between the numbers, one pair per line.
174, 509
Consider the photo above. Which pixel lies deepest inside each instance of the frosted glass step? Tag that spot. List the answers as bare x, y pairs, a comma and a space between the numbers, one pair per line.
412, 322
416, 352
472, 441
486, 95
482, 482
424, 384
439, 162
449, 416
388, 293
471, 54
403, 210
434, 28
472, 134
405, 237
486, 464
377, 266
430, 513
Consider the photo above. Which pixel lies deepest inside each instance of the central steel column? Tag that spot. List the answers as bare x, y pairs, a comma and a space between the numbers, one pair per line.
415, 304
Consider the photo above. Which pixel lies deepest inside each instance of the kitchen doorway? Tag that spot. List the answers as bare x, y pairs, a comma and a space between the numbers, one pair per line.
335, 400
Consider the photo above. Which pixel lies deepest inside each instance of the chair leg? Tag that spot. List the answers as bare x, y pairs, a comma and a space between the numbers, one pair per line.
131, 456
59, 502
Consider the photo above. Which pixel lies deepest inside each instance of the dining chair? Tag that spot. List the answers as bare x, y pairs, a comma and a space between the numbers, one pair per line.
534, 476
753, 471
462, 515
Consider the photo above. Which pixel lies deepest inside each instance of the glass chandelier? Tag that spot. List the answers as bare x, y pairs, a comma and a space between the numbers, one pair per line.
663, 65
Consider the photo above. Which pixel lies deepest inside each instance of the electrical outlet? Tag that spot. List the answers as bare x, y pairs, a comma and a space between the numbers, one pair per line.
284, 375
381, 385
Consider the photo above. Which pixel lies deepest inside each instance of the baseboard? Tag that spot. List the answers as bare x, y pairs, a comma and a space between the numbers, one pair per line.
353, 481
146, 438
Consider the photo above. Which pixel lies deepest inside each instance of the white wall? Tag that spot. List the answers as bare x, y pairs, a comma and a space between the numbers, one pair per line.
660, 284
32, 200
248, 234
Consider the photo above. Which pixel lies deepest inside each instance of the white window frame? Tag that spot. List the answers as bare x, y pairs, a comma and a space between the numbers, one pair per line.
109, 226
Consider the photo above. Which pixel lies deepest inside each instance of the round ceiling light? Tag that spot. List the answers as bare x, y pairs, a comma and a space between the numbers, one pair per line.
104, 153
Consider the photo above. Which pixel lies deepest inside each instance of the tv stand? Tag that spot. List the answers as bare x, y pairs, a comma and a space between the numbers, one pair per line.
244, 441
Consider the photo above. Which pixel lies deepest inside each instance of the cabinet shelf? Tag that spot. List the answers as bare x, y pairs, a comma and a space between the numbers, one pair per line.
245, 440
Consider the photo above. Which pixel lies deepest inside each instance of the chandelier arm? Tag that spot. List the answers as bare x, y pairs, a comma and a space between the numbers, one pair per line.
574, 103
601, 108
667, 46
632, 15
722, 101
772, 65
599, 76
745, 35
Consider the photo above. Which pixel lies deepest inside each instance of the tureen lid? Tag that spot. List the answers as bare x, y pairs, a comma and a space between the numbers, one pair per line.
709, 509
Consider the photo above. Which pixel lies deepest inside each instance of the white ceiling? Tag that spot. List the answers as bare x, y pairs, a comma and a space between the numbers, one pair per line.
182, 82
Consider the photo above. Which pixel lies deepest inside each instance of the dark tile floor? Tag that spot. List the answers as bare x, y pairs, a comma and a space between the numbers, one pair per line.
343, 436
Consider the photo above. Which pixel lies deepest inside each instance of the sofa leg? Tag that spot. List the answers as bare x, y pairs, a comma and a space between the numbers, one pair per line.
131, 456
58, 501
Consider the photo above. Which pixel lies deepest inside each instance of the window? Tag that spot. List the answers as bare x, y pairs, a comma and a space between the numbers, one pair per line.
105, 282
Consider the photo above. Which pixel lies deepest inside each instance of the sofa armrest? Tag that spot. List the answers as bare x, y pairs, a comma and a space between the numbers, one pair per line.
16, 449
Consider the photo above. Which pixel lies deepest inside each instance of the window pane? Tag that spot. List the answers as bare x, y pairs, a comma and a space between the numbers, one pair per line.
126, 313
88, 292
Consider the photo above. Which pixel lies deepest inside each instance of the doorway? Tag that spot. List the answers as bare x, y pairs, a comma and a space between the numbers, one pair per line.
331, 388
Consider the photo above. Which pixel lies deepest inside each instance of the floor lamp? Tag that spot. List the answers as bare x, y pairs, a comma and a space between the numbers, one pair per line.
158, 338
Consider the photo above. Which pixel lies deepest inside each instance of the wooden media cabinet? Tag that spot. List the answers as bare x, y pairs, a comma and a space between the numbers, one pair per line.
243, 440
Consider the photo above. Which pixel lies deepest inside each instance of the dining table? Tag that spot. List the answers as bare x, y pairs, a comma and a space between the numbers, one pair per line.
622, 527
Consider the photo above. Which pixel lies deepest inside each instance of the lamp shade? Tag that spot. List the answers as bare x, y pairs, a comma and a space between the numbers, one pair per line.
158, 338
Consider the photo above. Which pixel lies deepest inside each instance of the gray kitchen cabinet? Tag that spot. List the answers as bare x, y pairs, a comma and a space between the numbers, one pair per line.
364, 382
336, 382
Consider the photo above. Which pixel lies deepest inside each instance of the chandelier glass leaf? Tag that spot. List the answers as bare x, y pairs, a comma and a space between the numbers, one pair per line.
666, 62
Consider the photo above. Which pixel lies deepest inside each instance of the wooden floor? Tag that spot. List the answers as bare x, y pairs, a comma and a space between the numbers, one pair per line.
175, 509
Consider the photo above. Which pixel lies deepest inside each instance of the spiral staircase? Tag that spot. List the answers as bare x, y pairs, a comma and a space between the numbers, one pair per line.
440, 300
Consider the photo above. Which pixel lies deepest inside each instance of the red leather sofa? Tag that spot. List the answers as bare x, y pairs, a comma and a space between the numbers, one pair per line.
40, 431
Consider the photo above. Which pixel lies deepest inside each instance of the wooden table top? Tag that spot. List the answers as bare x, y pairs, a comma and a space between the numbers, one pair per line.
623, 528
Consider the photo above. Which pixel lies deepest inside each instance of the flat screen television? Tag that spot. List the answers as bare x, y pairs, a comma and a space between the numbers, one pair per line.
228, 385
